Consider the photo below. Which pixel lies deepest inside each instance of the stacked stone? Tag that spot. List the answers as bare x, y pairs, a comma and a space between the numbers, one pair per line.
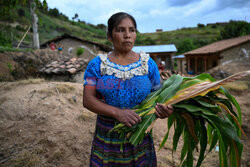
67, 66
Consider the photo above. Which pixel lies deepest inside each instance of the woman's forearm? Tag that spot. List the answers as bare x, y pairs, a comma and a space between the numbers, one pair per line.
95, 105
127, 117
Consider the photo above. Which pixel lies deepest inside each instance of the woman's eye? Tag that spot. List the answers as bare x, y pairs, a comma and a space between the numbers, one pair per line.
132, 30
119, 30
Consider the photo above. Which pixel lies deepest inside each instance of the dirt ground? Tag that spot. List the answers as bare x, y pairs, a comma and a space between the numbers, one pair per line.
43, 124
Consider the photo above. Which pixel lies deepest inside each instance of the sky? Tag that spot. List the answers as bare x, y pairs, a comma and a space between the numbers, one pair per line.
157, 14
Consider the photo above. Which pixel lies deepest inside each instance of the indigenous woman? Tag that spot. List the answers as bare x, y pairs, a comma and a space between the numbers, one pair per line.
113, 84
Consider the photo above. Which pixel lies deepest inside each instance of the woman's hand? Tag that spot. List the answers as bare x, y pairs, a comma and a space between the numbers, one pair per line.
127, 117
163, 111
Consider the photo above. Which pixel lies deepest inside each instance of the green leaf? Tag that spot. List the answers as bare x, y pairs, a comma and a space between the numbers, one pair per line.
232, 99
140, 130
170, 91
170, 123
203, 142
188, 107
177, 133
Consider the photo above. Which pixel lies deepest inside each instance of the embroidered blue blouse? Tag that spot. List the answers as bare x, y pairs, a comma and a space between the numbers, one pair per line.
122, 86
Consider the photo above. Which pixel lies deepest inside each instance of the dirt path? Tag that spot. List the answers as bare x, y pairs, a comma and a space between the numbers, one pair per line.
44, 124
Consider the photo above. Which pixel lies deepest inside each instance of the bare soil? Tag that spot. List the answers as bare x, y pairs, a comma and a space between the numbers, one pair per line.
43, 124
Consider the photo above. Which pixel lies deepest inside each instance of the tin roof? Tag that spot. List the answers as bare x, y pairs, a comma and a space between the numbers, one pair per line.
219, 46
155, 48
178, 57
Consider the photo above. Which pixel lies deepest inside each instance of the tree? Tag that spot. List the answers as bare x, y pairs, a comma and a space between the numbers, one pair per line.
235, 29
8, 5
45, 6
185, 45
54, 12
76, 16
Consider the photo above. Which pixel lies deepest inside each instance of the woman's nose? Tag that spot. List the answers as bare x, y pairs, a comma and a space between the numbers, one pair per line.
127, 34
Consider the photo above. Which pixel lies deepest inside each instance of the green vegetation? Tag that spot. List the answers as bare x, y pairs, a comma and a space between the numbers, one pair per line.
79, 52
53, 23
235, 29
195, 37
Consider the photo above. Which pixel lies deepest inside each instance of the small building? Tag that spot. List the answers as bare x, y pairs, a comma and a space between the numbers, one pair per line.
71, 44
181, 63
159, 30
159, 53
212, 55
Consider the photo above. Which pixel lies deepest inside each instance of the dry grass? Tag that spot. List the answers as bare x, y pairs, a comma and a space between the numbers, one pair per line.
27, 160
30, 81
238, 87
56, 156
64, 88
11, 85
58, 88
85, 116
3, 99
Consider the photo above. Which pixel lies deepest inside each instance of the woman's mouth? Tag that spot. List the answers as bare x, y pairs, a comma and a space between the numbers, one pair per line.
127, 43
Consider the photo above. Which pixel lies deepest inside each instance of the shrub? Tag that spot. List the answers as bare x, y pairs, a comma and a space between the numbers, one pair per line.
79, 51
21, 12
200, 25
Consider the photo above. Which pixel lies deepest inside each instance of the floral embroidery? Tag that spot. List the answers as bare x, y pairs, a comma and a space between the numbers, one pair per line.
124, 72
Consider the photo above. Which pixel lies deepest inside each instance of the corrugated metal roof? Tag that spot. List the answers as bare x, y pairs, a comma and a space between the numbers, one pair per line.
155, 48
178, 57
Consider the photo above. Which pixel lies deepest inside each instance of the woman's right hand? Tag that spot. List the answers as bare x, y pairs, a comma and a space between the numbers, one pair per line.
127, 117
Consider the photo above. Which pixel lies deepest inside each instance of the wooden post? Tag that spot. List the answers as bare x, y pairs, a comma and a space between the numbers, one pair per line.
205, 59
23, 37
196, 67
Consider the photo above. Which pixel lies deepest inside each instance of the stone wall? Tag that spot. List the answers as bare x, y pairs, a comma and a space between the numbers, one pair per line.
21, 65
234, 53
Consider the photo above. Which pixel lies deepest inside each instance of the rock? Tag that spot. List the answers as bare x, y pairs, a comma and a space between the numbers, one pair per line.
70, 66
74, 99
62, 66
73, 59
56, 70
72, 70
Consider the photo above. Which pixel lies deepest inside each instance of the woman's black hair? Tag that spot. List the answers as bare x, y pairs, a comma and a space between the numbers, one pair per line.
115, 19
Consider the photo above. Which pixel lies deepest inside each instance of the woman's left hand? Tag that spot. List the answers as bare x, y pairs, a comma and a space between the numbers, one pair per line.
163, 111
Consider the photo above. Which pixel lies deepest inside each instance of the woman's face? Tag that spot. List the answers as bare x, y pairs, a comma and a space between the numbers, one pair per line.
124, 35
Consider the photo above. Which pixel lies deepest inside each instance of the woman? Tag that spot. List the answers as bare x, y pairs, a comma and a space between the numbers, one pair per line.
115, 83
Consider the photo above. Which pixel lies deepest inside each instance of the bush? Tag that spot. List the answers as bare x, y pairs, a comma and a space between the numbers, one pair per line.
79, 51
20, 28
5, 39
54, 12
21, 12
235, 29
199, 25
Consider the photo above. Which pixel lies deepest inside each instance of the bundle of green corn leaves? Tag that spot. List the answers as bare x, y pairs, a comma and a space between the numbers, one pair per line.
203, 115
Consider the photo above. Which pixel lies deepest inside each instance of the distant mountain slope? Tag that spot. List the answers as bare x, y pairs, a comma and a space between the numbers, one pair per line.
14, 26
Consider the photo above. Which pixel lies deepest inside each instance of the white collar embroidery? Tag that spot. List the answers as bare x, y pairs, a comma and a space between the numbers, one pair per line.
124, 72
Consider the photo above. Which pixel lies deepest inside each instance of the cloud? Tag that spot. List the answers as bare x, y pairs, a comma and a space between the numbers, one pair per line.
221, 4
152, 14
180, 2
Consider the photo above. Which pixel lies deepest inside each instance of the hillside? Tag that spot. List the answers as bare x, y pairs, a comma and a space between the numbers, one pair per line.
15, 25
